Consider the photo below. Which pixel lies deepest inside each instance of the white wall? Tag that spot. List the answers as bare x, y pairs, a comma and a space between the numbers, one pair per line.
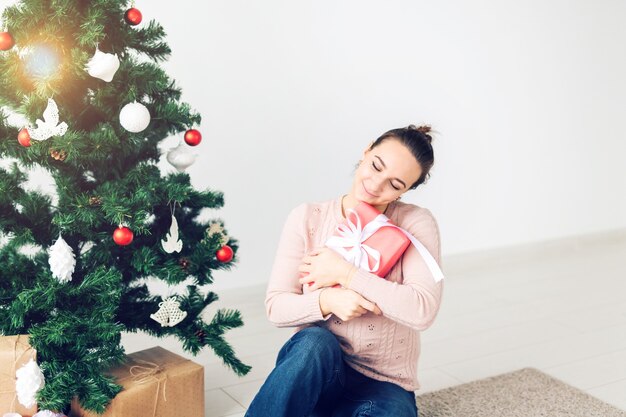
526, 97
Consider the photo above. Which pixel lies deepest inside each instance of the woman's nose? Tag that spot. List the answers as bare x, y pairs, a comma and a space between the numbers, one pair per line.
377, 182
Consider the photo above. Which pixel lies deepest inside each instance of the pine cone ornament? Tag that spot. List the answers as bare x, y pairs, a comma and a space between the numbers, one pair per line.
95, 200
58, 155
184, 263
201, 335
61, 260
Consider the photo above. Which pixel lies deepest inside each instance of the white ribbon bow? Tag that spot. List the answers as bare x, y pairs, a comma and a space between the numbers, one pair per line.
351, 235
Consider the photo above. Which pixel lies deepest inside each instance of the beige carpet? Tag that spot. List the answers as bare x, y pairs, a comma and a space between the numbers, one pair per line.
524, 393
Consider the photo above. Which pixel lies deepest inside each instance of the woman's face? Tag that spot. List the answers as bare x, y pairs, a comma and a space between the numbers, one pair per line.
385, 173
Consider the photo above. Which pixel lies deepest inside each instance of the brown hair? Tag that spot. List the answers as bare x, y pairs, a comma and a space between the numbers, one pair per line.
418, 140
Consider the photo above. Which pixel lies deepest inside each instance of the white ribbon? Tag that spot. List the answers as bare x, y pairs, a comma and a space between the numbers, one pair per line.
351, 235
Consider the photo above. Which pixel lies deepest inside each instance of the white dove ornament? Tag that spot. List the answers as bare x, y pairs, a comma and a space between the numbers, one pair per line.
50, 126
172, 243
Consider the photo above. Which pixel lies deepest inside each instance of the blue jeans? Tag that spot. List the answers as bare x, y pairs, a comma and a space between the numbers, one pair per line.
311, 380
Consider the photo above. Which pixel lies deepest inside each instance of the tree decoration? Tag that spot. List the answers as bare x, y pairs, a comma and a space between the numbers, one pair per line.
217, 229
133, 16
169, 313
6, 41
109, 177
103, 65
201, 335
58, 155
172, 243
29, 380
23, 137
62, 260
180, 157
123, 236
224, 254
134, 117
51, 126
184, 263
193, 137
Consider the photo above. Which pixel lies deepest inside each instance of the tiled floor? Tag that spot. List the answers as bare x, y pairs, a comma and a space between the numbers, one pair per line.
557, 306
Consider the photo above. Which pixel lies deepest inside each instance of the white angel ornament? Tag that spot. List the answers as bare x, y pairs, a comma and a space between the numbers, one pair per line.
172, 243
51, 126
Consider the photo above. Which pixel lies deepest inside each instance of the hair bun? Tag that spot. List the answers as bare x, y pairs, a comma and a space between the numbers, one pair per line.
424, 129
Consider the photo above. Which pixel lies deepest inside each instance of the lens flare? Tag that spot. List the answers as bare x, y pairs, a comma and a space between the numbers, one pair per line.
41, 61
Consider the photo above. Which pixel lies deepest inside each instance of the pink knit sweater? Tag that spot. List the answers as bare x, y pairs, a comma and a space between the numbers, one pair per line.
386, 347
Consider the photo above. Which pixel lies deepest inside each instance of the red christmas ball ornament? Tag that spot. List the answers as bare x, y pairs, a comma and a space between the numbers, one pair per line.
133, 16
6, 41
225, 254
193, 137
24, 138
123, 236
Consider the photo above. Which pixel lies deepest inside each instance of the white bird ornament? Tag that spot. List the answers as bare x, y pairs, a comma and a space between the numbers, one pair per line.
51, 126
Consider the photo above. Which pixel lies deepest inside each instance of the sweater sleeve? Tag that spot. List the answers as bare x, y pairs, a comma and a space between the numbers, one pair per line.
285, 303
415, 301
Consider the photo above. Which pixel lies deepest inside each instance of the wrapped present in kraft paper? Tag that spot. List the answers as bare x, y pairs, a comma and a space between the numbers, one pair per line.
15, 352
156, 383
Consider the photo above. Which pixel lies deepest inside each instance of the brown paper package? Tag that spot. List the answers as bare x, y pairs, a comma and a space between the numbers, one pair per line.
175, 389
14, 353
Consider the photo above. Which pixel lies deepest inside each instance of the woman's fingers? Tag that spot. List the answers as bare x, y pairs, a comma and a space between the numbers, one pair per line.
370, 306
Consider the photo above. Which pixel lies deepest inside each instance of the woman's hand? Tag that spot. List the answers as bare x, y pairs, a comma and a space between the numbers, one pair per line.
345, 304
325, 268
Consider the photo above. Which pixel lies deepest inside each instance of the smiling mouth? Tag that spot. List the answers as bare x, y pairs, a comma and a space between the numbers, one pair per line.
370, 194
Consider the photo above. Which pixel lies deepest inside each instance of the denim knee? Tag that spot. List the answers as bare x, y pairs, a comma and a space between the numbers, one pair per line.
313, 344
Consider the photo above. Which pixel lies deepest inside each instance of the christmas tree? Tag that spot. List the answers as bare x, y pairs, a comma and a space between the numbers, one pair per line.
85, 78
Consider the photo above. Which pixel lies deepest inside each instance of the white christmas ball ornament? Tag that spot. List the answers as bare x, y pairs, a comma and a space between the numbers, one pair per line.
134, 117
180, 157
29, 380
62, 261
103, 65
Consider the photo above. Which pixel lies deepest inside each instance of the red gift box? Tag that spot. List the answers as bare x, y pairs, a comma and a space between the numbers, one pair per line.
367, 240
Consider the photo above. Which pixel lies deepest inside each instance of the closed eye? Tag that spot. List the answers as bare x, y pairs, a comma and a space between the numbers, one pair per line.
378, 169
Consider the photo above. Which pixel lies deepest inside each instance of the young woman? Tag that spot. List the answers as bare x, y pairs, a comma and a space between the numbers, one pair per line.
356, 346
